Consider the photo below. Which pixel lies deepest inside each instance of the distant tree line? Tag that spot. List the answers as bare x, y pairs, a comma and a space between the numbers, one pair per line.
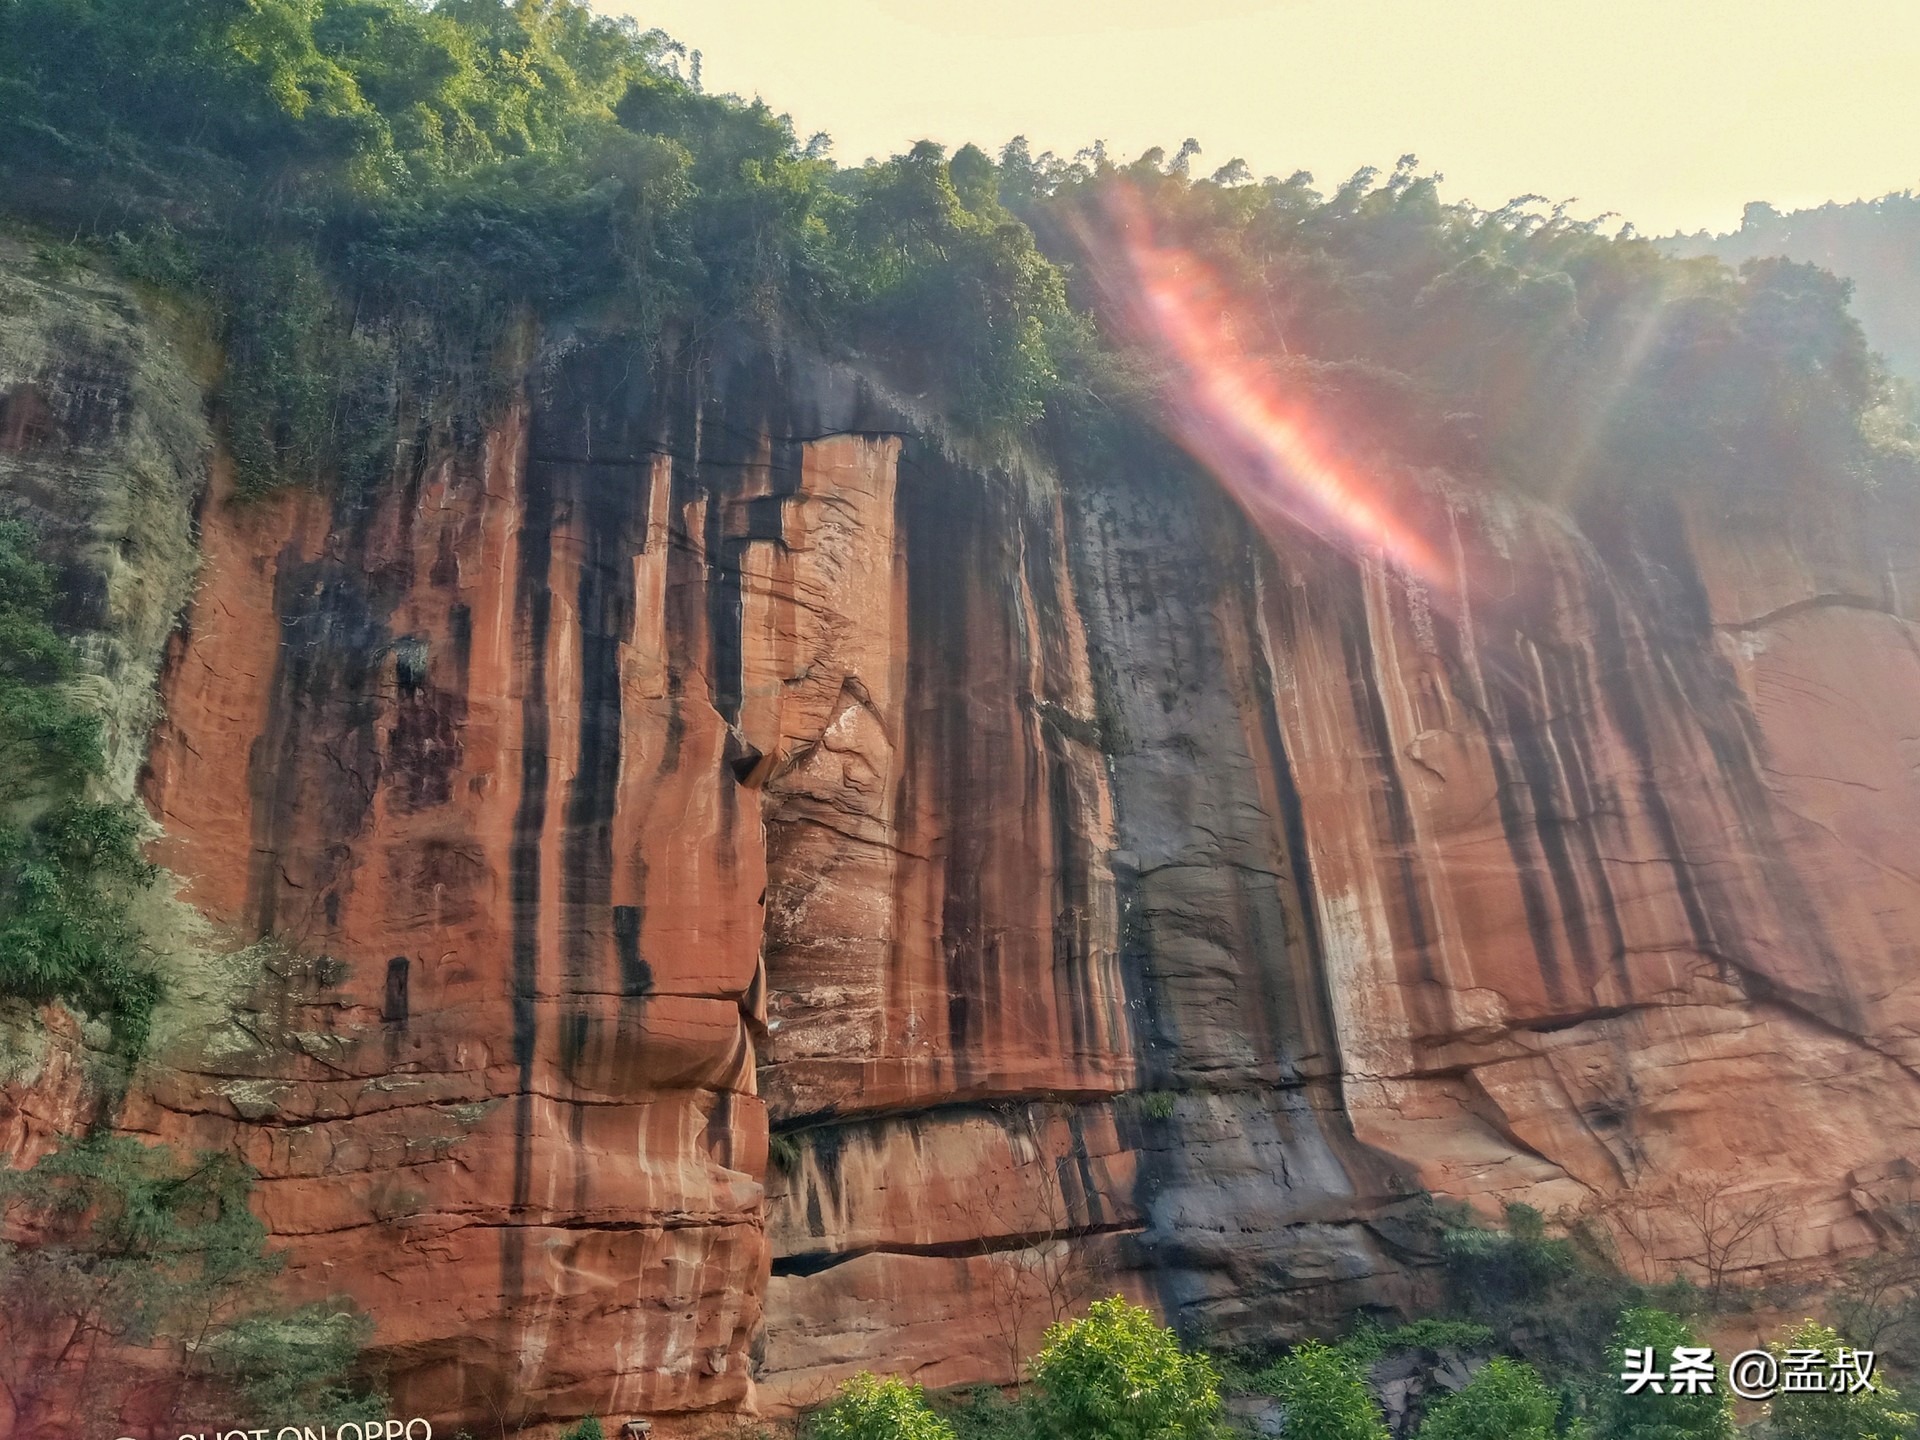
1872, 244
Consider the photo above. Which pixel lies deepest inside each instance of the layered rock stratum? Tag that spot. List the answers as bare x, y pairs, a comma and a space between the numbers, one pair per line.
722, 888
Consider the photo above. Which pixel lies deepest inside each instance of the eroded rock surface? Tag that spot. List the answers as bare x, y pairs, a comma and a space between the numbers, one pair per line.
749, 893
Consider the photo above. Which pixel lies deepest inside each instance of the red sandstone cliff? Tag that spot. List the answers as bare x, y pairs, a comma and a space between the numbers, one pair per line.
1084, 889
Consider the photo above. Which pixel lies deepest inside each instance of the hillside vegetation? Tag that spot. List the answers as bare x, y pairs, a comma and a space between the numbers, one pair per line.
1875, 244
373, 192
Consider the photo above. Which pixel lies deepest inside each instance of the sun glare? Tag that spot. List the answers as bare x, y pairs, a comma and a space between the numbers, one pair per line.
1234, 413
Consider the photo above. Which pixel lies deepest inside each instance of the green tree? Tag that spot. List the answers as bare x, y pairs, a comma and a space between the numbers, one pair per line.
296, 1362
47, 743
1868, 1414
869, 1408
1505, 1401
372, 193
1665, 1416
1324, 1395
1552, 1299
1116, 1374
117, 1246
957, 279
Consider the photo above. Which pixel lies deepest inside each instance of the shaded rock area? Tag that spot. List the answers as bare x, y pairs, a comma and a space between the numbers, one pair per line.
756, 893
104, 449
1412, 1381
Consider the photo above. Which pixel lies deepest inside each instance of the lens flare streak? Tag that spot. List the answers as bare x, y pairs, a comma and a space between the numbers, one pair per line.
1232, 413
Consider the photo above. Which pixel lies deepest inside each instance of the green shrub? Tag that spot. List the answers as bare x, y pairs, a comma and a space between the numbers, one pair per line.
783, 1152
47, 743
587, 1429
981, 1412
1505, 1401
869, 1408
1324, 1395
1118, 1375
297, 1362
1369, 1341
1650, 1416
121, 1245
1550, 1300
1873, 1414
1157, 1104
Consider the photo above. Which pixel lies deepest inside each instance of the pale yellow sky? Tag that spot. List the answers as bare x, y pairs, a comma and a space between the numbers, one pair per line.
1674, 113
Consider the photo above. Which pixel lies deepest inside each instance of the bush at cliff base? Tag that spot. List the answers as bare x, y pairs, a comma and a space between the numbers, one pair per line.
1505, 1401
869, 1408
1647, 1416
131, 1243
1865, 1415
1116, 1375
1323, 1395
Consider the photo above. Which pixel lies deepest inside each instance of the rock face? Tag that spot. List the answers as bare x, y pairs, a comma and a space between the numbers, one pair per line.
1080, 889
716, 749
104, 445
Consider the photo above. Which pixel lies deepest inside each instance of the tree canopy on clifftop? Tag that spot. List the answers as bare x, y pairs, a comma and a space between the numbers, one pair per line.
373, 193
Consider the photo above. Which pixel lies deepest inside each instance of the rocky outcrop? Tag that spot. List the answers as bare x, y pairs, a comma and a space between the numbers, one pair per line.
104, 446
746, 891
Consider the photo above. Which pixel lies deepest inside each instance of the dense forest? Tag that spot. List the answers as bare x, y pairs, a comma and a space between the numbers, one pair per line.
1873, 243
374, 194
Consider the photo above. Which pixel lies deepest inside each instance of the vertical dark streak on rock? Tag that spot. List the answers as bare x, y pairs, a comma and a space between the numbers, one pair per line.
1093, 1203
1518, 827
1089, 532
460, 621
1305, 952
725, 607
944, 747
533, 611
394, 1008
604, 498
1623, 706
1071, 846
1370, 718
1571, 704
318, 756
629, 923
1072, 893
678, 434
1548, 811
787, 463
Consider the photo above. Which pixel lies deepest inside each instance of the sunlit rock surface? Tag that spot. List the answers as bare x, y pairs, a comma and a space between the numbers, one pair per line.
1082, 890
